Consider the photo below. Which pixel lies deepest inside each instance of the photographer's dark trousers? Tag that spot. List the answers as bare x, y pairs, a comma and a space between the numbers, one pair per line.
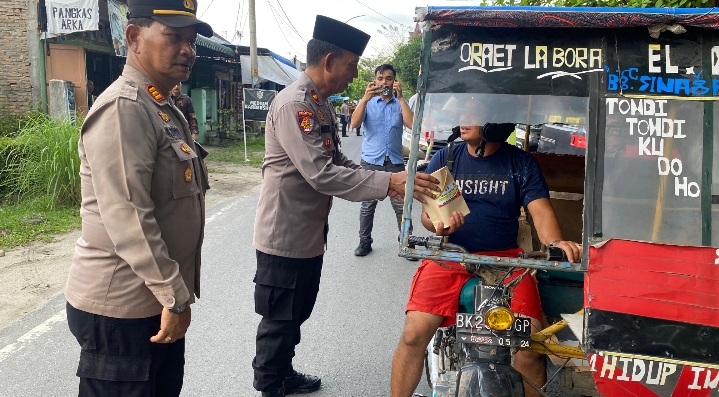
117, 358
368, 207
285, 294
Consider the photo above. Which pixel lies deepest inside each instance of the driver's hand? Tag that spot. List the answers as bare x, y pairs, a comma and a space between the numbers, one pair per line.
572, 249
455, 222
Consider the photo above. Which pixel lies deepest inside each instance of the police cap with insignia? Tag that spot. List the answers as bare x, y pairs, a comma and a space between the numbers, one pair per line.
172, 13
340, 34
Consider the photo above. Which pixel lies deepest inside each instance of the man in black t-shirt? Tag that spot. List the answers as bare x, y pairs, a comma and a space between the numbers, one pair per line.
495, 187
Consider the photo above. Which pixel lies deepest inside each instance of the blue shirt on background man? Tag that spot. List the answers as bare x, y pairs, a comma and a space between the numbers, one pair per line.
382, 130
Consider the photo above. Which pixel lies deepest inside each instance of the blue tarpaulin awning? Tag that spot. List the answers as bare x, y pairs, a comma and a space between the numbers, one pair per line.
282, 59
567, 17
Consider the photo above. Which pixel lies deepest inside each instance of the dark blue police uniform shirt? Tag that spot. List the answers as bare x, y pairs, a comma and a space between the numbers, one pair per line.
495, 188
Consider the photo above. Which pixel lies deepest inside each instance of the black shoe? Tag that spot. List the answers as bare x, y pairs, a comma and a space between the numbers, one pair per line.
277, 393
345, 136
412, 259
363, 249
298, 383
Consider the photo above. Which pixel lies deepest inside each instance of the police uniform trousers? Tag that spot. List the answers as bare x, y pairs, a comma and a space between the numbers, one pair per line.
285, 294
368, 207
117, 358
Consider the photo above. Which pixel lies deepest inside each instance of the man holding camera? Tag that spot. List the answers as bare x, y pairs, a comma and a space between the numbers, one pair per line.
382, 116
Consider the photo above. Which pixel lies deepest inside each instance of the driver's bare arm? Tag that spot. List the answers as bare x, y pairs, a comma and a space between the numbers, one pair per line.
548, 231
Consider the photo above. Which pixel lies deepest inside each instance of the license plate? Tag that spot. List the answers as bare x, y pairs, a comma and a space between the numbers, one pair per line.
472, 329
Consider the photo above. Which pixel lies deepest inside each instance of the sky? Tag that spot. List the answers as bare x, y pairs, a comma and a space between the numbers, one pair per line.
296, 19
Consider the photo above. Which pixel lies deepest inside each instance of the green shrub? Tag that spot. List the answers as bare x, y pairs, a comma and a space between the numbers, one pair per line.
42, 160
5, 144
11, 124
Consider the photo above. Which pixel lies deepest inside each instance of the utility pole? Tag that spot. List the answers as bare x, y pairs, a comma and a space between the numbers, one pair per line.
253, 42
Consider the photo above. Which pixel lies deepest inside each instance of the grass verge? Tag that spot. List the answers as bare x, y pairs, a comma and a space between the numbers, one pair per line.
35, 219
40, 160
236, 153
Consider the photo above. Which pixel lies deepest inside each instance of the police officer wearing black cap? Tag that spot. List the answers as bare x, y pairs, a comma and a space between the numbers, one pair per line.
136, 268
302, 171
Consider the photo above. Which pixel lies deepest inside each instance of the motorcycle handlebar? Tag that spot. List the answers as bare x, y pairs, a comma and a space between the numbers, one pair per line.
439, 243
434, 243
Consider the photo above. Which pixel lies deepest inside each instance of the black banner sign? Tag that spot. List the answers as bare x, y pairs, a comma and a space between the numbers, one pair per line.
671, 64
514, 61
552, 61
257, 103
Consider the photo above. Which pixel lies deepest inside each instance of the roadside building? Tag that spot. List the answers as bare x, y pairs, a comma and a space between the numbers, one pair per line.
20, 80
43, 41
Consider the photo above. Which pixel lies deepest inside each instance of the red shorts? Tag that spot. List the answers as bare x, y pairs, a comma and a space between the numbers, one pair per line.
435, 289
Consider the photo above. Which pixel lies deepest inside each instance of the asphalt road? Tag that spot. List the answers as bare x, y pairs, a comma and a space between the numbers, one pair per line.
348, 341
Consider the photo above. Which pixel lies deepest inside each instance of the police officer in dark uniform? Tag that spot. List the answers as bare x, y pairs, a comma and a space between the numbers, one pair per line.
303, 169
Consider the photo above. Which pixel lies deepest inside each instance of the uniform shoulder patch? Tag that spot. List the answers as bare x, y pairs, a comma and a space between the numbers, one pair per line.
128, 90
306, 120
315, 96
155, 93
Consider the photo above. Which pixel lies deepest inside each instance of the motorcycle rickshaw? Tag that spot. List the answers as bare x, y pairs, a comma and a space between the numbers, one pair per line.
618, 106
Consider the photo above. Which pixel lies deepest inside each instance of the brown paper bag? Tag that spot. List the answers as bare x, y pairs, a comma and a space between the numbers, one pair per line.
448, 202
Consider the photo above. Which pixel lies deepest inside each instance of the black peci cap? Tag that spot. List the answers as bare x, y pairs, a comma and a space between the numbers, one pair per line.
172, 13
340, 34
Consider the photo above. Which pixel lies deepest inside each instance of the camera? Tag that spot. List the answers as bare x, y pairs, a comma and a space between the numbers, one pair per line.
386, 90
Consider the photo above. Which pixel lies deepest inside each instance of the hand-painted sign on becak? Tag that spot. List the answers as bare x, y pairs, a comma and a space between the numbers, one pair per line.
526, 61
677, 65
541, 61
651, 319
68, 16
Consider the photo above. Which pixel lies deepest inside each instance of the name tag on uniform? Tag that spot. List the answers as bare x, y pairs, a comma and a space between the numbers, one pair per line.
173, 132
325, 128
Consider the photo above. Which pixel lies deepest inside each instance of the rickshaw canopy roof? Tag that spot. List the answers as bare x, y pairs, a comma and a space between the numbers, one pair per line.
567, 17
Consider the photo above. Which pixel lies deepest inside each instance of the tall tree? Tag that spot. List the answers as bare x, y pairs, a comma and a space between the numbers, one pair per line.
406, 62
365, 74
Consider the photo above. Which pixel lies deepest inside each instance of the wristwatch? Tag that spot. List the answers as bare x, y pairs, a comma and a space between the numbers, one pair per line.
179, 309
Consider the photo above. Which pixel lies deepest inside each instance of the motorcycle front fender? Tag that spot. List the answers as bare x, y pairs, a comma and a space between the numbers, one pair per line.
489, 380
